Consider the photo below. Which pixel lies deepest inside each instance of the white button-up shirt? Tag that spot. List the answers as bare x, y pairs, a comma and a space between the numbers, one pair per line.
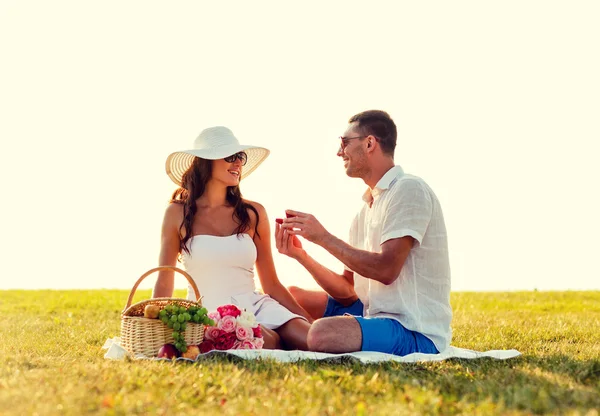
404, 205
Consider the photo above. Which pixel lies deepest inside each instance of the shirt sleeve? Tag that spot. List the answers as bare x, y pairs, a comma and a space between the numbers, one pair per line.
409, 211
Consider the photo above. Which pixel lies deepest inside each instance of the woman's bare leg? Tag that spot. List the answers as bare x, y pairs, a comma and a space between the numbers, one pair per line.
313, 301
294, 334
271, 338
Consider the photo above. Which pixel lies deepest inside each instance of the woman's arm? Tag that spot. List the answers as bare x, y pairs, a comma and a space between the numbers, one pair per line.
169, 249
339, 287
266, 268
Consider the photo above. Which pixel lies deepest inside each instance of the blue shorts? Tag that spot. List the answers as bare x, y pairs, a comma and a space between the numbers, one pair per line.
382, 334
390, 336
334, 308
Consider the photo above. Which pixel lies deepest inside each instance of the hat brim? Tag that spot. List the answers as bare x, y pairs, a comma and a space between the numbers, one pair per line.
179, 162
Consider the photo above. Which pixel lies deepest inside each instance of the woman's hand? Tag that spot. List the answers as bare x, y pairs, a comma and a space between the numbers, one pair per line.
288, 243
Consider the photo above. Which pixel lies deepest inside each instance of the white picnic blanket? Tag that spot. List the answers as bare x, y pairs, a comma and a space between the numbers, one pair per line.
116, 352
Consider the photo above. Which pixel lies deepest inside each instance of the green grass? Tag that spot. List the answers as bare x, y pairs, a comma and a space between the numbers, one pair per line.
52, 363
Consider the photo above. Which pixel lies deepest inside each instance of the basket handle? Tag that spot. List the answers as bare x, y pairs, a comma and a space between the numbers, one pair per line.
157, 269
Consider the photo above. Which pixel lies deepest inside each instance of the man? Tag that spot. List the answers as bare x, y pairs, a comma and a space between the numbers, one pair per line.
394, 293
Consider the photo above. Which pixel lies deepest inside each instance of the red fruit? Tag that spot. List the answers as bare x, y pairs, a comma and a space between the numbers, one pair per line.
206, 346
279, 220
168, 351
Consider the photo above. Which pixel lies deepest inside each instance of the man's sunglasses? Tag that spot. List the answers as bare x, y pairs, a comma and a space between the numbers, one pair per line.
344, 141
242, 156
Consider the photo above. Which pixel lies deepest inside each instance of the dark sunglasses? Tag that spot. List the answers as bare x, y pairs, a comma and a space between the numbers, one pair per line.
344, 141
242, 156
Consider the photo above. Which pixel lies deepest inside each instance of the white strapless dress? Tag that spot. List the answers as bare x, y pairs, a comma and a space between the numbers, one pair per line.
223, 269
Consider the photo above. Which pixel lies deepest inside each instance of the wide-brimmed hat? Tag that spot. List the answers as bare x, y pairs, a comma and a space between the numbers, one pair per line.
214, 143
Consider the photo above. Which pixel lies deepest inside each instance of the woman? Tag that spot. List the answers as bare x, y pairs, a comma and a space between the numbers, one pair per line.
219, 237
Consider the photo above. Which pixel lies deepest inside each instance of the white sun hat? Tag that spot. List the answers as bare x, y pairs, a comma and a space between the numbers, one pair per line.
214, 143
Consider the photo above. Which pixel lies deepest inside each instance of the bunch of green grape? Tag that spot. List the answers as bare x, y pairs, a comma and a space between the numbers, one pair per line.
177, 317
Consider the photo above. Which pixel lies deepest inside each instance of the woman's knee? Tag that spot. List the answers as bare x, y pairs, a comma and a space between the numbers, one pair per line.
293, 334
294, 290
271, 338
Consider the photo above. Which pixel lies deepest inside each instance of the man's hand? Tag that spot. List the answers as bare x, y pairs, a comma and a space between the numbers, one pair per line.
305, 225
287, 243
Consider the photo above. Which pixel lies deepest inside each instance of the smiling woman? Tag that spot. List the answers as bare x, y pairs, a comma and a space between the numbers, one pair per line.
219, 237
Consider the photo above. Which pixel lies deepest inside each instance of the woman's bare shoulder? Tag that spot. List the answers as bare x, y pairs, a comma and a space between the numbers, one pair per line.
259, 207
260, 210
174, 212
262, 225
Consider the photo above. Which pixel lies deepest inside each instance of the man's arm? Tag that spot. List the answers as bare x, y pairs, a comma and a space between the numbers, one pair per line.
405, 221
383, 267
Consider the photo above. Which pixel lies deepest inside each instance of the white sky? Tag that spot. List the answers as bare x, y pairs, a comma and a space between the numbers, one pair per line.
497, 107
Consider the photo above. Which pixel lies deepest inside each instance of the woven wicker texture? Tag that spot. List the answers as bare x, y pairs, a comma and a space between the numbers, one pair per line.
145, 336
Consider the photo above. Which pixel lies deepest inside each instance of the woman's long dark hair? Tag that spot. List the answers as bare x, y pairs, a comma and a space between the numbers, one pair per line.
193, 185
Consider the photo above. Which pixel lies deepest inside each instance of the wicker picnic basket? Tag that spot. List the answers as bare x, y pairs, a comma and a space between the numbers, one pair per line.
145, 336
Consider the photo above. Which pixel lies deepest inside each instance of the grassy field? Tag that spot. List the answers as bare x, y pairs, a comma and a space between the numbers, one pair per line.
52, 363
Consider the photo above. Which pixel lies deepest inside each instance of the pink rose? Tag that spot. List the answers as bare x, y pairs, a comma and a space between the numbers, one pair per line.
227, 324
257, 332
206, 346
229, 310
242, 333
214, 316
246, 345
212, 332
225, 341
258, 343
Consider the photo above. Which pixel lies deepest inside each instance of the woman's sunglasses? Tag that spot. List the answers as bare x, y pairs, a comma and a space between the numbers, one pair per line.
242, 156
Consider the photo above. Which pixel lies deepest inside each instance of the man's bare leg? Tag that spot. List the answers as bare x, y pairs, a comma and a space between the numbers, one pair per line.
338, 334
313, 301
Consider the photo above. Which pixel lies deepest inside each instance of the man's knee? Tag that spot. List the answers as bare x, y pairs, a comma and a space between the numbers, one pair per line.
319, 336
335, 335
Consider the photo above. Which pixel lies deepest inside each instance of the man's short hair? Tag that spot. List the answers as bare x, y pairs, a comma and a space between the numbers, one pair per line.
379, 124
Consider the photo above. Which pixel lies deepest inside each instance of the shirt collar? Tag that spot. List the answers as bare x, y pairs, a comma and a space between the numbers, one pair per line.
384, 183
